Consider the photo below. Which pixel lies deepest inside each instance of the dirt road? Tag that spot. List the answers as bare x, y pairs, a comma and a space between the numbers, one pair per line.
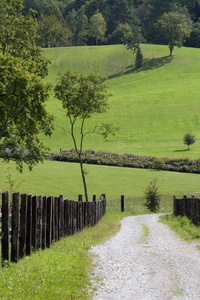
147, 261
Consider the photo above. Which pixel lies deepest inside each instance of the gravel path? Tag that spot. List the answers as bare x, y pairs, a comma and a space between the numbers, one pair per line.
159, 267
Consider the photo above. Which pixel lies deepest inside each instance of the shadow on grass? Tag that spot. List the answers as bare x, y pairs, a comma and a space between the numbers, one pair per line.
148, 64
181, 150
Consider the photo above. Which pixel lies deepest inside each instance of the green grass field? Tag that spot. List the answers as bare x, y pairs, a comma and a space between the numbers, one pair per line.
55, 178
154, 107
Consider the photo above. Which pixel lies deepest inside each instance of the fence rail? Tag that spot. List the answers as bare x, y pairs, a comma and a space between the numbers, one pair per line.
189, 207
34, 222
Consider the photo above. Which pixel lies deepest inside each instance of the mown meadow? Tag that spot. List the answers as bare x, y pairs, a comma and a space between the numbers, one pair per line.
154, 107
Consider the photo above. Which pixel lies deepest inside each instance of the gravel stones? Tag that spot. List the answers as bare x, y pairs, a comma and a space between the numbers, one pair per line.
159, 267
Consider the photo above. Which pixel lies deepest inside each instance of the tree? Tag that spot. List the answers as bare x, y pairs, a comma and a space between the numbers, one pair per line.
82, 97
132, 37
53, 32
138, 58
77, 22
152, 196
23, 93
189, 139
176, 26
97, 27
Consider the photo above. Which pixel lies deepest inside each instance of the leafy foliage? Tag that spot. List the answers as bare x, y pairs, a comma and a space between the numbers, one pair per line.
23, 114
177, 26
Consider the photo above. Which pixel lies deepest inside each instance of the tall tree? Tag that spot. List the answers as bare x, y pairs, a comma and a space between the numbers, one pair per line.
23, 93
53, 32
97, 27
82, 97
176, 26
77, 22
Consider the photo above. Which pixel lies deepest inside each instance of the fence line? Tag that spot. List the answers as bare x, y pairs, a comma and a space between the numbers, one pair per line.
36, 221
189, 207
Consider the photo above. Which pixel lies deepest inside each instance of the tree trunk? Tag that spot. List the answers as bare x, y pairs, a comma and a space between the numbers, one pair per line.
83, 177
171, 47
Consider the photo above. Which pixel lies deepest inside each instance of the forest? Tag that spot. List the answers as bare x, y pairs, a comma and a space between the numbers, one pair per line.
104, 22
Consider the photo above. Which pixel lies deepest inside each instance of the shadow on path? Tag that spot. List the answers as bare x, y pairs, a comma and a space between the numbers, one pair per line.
148, 64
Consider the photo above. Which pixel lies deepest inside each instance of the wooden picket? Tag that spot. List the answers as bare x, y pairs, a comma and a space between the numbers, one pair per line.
35, 222
189, 207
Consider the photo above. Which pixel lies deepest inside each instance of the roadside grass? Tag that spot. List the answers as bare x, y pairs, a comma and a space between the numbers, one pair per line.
182, 226
61, 272
144, 239
153, 106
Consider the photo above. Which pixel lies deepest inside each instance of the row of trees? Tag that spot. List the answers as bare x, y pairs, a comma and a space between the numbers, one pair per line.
83, 22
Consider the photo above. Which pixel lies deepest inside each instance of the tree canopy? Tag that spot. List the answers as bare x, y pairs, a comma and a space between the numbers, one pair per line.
176, 26
115, 13
23, 92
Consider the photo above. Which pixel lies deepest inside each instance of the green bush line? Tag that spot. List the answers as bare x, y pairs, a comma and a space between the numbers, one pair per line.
184, 165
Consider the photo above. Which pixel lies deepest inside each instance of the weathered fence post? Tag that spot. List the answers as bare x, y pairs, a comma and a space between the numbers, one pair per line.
15, 229
61, 217
34, 222
23, 226
44, 222
122, 203
49, 222
39, 222
174, 206
5, 229
29, 225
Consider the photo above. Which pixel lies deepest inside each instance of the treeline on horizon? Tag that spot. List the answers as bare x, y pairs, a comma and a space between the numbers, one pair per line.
94, 22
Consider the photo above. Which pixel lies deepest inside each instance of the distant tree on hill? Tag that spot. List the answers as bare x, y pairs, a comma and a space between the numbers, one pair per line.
82, 97
52, 32
97, 27
189, 139
132, 37
176, 26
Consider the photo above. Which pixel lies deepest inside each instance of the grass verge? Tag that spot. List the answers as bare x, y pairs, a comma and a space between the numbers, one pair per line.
182, 226
62, 272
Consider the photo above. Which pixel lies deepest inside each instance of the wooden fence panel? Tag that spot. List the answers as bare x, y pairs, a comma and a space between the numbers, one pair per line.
49, 222
34, 222
15, 229
44, 223
37, 220
23, 226
29, 225
5, 229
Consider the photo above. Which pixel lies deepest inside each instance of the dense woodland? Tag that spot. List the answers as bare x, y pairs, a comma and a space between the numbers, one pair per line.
94, 22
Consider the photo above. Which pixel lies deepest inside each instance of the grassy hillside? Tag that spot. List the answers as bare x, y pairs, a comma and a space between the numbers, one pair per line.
154, 106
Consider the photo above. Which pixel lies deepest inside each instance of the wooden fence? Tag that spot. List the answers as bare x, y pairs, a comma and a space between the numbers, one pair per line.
189, 207
34, 222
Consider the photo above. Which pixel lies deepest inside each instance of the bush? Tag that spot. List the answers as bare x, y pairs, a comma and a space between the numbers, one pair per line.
158, 164
152, 197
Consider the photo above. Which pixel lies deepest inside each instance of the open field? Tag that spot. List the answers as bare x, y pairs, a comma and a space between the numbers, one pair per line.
55, 178
154, 106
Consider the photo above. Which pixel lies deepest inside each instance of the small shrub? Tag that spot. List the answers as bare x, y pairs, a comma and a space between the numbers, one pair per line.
152, 196
158, 164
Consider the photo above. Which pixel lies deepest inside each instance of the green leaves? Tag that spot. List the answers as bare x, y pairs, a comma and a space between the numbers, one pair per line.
81, 95
22, 91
